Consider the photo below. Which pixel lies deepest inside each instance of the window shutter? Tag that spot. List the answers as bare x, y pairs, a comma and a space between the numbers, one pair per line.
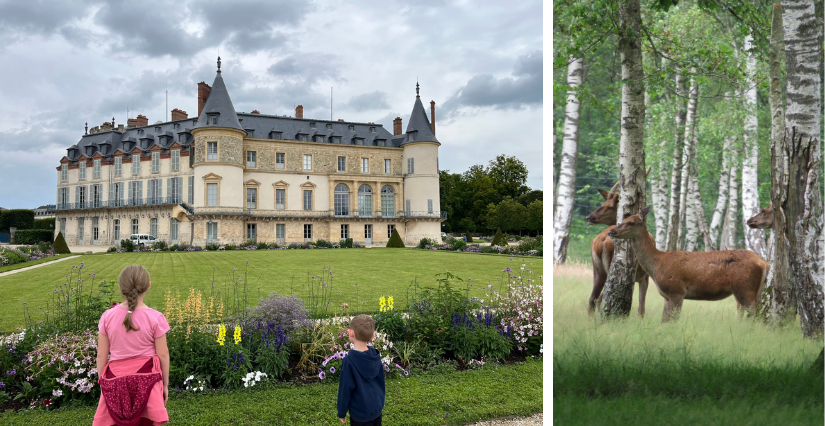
160, 188
130, 191
77, 195
140, 189
169, 194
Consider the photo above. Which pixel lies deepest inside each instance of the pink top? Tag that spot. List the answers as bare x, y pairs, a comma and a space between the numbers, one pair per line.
122, 345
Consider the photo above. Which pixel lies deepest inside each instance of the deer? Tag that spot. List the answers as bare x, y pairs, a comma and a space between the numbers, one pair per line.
602, 248
763, 220
680, 275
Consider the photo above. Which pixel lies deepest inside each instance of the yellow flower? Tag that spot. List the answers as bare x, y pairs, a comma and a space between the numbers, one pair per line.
237, 334
382, 303
390, 303
221, 334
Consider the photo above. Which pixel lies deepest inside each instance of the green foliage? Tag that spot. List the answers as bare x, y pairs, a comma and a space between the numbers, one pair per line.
498, 240
16, 218
33, 236
44, 224
322, 243
509, 176
393, 324
425, 243
262, 246
395, 240
459, 244
128, 246
60, 246
346, 243
508, 215
11, 257
469, 237
160, 245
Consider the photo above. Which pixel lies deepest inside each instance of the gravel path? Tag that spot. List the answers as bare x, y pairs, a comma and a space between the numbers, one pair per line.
534, 420
3, 274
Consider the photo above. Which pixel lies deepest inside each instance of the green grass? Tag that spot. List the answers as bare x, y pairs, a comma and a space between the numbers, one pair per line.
430, 399
708, 367
31, 263
378, 272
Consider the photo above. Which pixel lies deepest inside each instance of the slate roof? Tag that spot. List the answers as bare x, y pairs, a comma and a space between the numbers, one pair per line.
220, 103
259, 126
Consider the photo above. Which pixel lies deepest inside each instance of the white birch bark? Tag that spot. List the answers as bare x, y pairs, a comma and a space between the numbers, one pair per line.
659, 187
729, 231
691, 227
618, 290
687, 155
676, 174
567, 173
803, 62
754, 238
701, 223
722, 200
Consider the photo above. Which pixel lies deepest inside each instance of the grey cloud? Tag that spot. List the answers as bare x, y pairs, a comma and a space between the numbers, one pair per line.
307, 68
19, 19
368, 101
485, 90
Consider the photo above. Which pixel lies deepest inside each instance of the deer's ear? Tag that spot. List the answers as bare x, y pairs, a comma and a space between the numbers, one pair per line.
604, 193
645, 211
626, 215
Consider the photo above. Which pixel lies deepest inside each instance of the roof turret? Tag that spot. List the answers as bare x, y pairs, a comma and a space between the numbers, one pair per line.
219, 104
419, 128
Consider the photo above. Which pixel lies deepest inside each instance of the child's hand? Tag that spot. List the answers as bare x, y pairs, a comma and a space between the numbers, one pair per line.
342, 420
165, 395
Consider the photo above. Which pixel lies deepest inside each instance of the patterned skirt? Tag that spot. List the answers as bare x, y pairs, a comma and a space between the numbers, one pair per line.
131, 393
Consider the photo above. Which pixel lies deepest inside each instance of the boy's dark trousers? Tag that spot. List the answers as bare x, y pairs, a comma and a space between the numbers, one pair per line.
373, 422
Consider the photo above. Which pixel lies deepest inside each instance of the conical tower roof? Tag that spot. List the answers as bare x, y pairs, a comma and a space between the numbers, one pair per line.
419, 123
220, 103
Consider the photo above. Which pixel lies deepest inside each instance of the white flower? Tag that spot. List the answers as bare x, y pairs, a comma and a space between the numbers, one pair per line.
57, 393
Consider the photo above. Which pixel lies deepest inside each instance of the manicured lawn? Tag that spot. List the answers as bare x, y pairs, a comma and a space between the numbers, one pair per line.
378, 271
452, 398
709, 367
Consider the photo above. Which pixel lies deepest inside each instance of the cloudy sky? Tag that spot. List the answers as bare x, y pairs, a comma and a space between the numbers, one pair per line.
70, 62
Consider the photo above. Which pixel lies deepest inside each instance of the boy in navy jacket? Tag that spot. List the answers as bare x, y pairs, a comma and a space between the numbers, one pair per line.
361, 388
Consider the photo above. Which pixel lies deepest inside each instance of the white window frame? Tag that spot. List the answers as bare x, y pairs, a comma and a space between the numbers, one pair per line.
253, 235
211, 194
307, 200
81, 170
280, 165
118, 166
251, 164
307, 161
387, 166
173, 230
365, 165
212, 231
282, 204
342, 163
135, 164
135, 226
64, 172
153, 227
96, 169
251, 198
344, 231
175, 160
117, 231
390, 228
280, 232
211, 151
410, 166
156, 162
307, 232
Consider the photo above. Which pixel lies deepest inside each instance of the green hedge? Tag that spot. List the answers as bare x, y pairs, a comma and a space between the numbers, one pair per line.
498, 240
395, 240
60, 246
16, 218
44, 224
33, 236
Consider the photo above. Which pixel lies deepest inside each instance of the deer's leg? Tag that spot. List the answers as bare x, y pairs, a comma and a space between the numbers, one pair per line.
676, 306
599, 278
666, 311
642, 294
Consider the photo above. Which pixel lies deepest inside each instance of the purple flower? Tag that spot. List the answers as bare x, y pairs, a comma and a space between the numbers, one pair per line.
11, 372
322, 375
406, 373
332, 370
247, 262
2, 385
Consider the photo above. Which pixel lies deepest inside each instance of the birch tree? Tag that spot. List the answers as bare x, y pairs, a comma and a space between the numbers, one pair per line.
782, 302
659, 185
618, 290
567, 171
728, 240
722, 200
691, 214
802, 208
754, 238
687, 155
676, 175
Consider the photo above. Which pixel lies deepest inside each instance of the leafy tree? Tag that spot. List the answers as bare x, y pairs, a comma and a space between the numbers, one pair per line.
535, 216
498, 240
509, 176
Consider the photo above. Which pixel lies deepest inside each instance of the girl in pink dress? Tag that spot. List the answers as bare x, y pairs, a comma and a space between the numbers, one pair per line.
132, 357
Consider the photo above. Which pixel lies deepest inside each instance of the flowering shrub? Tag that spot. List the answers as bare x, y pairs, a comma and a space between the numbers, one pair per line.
195, 384
287, 312
65, 367
520, 309
339, 349
193, 313
251, 378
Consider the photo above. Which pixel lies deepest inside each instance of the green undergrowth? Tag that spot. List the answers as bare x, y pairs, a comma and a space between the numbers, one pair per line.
453, 398
708, 367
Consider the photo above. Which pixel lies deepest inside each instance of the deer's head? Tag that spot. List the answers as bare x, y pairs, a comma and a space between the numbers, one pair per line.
632, 226
764, 220
606, 213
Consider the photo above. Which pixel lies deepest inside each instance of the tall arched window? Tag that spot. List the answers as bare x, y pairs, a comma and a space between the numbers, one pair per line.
387, 201
341, 200
365, 201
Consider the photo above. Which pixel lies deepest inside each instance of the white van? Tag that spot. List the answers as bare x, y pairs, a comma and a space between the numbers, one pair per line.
142, 240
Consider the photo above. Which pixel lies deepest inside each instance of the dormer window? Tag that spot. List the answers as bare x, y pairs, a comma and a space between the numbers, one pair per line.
336, 139
140, 132
351, 127
276, 135
359, 141
329, 125
301, 137
319, 138
250, 133
212, 119
312, 124
177, 125
157, 129
372, 129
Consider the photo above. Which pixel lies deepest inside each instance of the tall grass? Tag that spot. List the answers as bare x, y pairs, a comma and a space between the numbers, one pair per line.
707, 353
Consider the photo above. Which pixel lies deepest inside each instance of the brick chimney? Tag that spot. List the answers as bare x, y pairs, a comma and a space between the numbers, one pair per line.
255, 111
141, 121
396, 126
132, 122
432, 115
203, 93
178, 114
299, 111
340, 119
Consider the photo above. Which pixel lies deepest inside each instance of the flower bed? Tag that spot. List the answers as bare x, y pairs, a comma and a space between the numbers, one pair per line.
526, 247
217, 341
23, 254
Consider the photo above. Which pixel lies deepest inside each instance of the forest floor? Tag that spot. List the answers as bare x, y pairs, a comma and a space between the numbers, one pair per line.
708, 367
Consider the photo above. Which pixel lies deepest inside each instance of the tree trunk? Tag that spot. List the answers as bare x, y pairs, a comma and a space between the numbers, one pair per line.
722, 201
691, 227
701, 223
676, 175
803, 205
618, 290
687, 155
659, 186
729, 230
754, 238
567, 171
782, 302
